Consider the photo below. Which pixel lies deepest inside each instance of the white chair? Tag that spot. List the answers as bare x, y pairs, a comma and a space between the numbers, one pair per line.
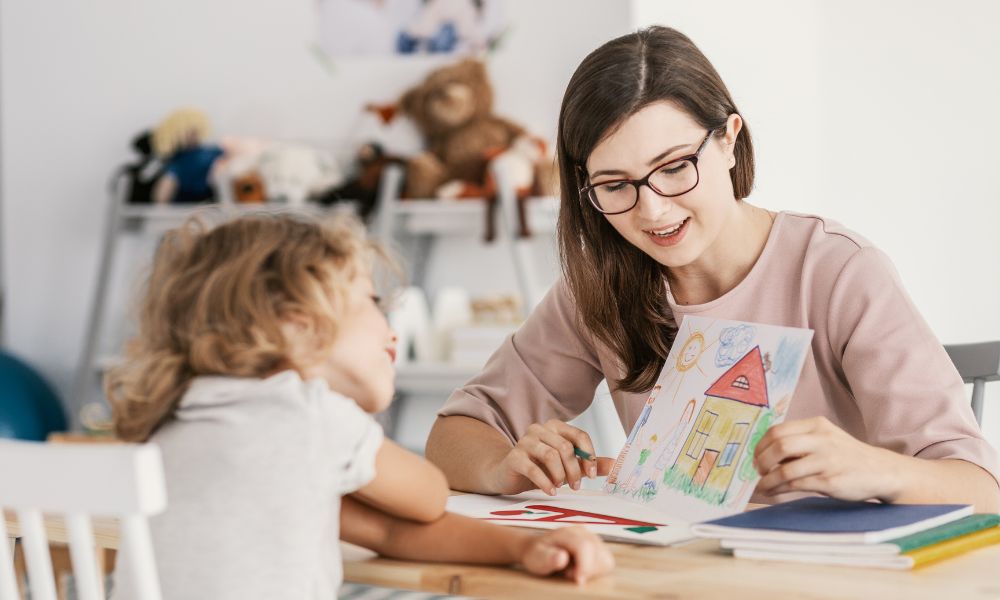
978, 364
77, 481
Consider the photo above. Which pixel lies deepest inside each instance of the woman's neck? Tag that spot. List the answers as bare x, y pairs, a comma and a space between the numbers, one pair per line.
728, 261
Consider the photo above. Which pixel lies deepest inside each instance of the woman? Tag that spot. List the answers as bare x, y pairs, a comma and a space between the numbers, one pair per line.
656, 163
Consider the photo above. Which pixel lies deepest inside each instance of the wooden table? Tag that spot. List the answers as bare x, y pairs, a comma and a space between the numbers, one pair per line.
696, 570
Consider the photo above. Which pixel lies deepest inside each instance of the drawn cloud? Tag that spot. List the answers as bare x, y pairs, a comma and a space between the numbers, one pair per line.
734, 343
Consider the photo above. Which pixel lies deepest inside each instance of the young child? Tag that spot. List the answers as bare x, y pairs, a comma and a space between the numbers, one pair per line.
261, 354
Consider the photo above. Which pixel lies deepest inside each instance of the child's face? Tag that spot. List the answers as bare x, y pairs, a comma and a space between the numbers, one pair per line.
360, 363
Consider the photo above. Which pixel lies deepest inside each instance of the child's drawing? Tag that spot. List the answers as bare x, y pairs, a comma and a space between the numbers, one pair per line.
609, 517
550, 513
696, 455
734, 343
636, 431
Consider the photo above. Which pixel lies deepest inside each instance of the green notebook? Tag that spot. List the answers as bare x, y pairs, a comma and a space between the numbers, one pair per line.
928, 537
963, 526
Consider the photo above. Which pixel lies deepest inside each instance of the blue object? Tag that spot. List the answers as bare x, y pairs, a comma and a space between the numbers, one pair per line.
191, 167
29, 408
863, 522
406, 43
444, 40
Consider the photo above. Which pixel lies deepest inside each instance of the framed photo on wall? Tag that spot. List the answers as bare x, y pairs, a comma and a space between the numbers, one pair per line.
409, 27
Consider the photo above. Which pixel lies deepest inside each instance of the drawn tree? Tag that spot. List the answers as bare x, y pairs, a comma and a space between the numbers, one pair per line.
747, 472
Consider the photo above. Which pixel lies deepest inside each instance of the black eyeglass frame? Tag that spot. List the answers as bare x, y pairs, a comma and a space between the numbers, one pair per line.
588, 190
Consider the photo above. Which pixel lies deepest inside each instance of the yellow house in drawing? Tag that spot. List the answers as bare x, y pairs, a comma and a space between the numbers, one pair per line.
713, 449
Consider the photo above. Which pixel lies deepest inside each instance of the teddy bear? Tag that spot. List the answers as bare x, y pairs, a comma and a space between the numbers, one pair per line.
453, 109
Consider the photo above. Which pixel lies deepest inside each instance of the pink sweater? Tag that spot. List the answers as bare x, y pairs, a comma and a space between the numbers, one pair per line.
875, 368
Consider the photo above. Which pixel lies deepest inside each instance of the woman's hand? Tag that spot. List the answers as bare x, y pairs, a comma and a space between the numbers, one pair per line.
544, 459
814, 455
578, 553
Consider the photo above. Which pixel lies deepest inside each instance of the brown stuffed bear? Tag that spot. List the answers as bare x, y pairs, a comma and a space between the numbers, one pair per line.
453, 109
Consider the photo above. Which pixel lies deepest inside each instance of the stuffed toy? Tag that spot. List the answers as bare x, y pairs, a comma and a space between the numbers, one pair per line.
238, 171
248, 188
453, 108
295, 173
180, 142
142, 175
362, 188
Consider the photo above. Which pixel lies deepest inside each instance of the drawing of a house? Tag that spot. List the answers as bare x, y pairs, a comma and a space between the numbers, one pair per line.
715, 445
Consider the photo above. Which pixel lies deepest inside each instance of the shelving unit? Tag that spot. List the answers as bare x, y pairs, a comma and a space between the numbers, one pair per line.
422, 221
419, 222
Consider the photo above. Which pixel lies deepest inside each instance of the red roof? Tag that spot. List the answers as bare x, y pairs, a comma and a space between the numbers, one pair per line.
743, 382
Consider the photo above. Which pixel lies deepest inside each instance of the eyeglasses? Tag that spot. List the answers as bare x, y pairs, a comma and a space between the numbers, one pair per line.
674, 178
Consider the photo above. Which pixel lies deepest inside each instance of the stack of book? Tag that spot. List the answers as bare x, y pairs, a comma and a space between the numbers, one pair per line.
862, 534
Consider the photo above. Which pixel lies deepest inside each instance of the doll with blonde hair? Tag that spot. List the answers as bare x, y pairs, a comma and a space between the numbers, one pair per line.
260, 356
180, 141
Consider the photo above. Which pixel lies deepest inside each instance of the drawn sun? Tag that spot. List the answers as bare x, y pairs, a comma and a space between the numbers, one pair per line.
690, 354
691, 351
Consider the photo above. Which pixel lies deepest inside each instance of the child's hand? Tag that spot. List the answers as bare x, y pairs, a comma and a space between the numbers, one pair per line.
578, 553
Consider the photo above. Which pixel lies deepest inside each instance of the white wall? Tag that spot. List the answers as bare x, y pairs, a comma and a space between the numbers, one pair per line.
880, 115
78, 81
910, 83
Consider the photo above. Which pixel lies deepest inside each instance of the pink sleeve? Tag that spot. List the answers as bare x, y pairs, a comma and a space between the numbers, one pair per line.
546, 369
910, 395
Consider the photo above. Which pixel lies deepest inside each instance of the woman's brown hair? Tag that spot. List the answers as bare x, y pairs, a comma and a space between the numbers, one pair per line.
215, 303
617, 288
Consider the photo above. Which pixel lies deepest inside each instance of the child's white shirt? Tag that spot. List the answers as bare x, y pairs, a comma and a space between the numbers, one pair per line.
255, 469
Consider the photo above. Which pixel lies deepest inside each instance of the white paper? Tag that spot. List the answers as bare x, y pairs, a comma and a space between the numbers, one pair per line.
723, 385
611, 518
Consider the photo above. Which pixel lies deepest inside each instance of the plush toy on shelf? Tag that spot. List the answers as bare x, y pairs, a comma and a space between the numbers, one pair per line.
381, 140
293, 173
248, 188
453, 109
141, 176
259, 170
362, 188
180, 141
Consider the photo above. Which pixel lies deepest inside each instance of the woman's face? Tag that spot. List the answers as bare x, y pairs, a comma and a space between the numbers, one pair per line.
678, 231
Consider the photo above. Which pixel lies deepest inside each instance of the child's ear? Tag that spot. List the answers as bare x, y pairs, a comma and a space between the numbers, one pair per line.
299, 335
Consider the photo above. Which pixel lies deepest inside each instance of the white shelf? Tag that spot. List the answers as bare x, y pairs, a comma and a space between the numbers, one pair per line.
433, 378
435, 206
463, 216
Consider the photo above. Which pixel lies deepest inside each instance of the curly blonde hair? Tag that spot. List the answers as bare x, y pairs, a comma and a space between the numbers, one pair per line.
215, 302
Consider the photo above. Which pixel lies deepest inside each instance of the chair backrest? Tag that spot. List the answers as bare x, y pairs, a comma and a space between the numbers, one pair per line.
78, 481
977, 364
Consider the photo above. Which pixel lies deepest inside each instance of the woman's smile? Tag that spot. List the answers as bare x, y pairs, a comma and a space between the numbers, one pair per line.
671, 235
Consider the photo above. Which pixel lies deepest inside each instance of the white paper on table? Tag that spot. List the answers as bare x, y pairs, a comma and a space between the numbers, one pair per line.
611, 518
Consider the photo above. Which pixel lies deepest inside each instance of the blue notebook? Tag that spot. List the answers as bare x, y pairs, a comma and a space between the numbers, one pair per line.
826, 520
